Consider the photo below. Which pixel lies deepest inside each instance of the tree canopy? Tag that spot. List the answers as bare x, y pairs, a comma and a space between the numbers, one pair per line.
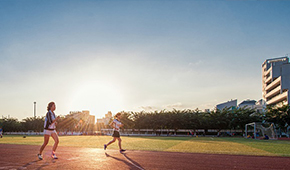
164, 119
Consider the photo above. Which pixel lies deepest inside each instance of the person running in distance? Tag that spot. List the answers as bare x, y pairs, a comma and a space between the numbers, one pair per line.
1, 131
116, 124
49, 130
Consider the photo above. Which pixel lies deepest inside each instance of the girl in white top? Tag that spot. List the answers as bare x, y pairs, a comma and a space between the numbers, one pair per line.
116, 124
49, 130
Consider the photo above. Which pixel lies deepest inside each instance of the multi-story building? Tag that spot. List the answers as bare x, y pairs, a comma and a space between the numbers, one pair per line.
276, 81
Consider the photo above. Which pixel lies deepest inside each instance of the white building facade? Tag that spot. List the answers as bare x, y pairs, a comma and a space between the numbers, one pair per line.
276, 81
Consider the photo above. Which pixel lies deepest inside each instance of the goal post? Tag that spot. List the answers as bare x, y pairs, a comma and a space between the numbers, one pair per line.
258, 129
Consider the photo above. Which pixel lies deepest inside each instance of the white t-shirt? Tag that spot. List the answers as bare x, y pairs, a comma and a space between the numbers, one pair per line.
117, 125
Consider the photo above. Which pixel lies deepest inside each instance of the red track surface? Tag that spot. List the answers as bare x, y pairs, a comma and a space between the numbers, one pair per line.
25, 157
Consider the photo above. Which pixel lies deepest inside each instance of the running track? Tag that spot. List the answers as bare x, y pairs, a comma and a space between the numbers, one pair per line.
18, 157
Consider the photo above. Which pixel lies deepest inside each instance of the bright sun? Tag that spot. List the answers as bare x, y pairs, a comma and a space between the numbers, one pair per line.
97, 97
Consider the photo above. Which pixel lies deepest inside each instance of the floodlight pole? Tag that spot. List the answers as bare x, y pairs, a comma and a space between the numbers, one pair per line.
34, 109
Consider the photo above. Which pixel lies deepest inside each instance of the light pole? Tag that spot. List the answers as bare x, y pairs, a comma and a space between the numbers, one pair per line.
34, 109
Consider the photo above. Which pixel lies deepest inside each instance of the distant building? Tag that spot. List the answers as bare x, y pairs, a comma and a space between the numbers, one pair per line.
82, 115
106, 119
229, 104
207, 110
261, 106
82, 121
276, 81
251, 104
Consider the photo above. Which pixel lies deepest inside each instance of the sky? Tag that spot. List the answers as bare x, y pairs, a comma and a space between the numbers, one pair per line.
135, 55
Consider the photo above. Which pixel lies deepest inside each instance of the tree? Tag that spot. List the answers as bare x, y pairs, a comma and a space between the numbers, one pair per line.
11, 125
126, 119
278, 115
33, 123
219, 119
67, 123
194, 119
140, 119
242, 116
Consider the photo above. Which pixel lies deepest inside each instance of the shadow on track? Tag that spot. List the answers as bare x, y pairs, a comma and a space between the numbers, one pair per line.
47, 163
130, 163
26, 166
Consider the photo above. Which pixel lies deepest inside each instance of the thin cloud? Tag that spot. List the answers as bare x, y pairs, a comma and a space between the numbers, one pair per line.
146, 108
197, 63
174, 106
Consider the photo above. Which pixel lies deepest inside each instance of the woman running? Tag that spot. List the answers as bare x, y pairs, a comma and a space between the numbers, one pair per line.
49, 130
116, 124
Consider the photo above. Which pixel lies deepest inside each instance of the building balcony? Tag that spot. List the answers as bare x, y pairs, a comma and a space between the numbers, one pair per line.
268, 80
274, 84
273, 92
268, 71
278, 98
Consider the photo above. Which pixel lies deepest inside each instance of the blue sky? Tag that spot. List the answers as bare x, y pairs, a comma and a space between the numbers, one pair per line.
135, 55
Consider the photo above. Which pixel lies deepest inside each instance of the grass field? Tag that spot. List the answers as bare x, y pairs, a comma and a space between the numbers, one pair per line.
212, 145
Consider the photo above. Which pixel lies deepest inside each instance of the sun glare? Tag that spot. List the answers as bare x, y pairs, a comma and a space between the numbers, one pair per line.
98, 98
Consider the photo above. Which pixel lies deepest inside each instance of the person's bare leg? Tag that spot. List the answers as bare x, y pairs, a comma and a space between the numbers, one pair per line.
112, 141
46, 139
56, 141
120, 146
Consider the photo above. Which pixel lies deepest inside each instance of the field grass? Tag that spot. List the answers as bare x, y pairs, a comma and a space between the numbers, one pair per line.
212, 145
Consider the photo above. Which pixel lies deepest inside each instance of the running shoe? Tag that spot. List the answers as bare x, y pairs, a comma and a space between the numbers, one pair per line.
122, 150
53, 155
105, 147
39, 156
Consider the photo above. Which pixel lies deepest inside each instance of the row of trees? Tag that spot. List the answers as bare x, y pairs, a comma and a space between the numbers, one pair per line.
13, 125
196, 119
190, 119
175, 119
36, 124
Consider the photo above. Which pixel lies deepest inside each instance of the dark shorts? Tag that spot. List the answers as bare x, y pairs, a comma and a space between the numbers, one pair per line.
116, 134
